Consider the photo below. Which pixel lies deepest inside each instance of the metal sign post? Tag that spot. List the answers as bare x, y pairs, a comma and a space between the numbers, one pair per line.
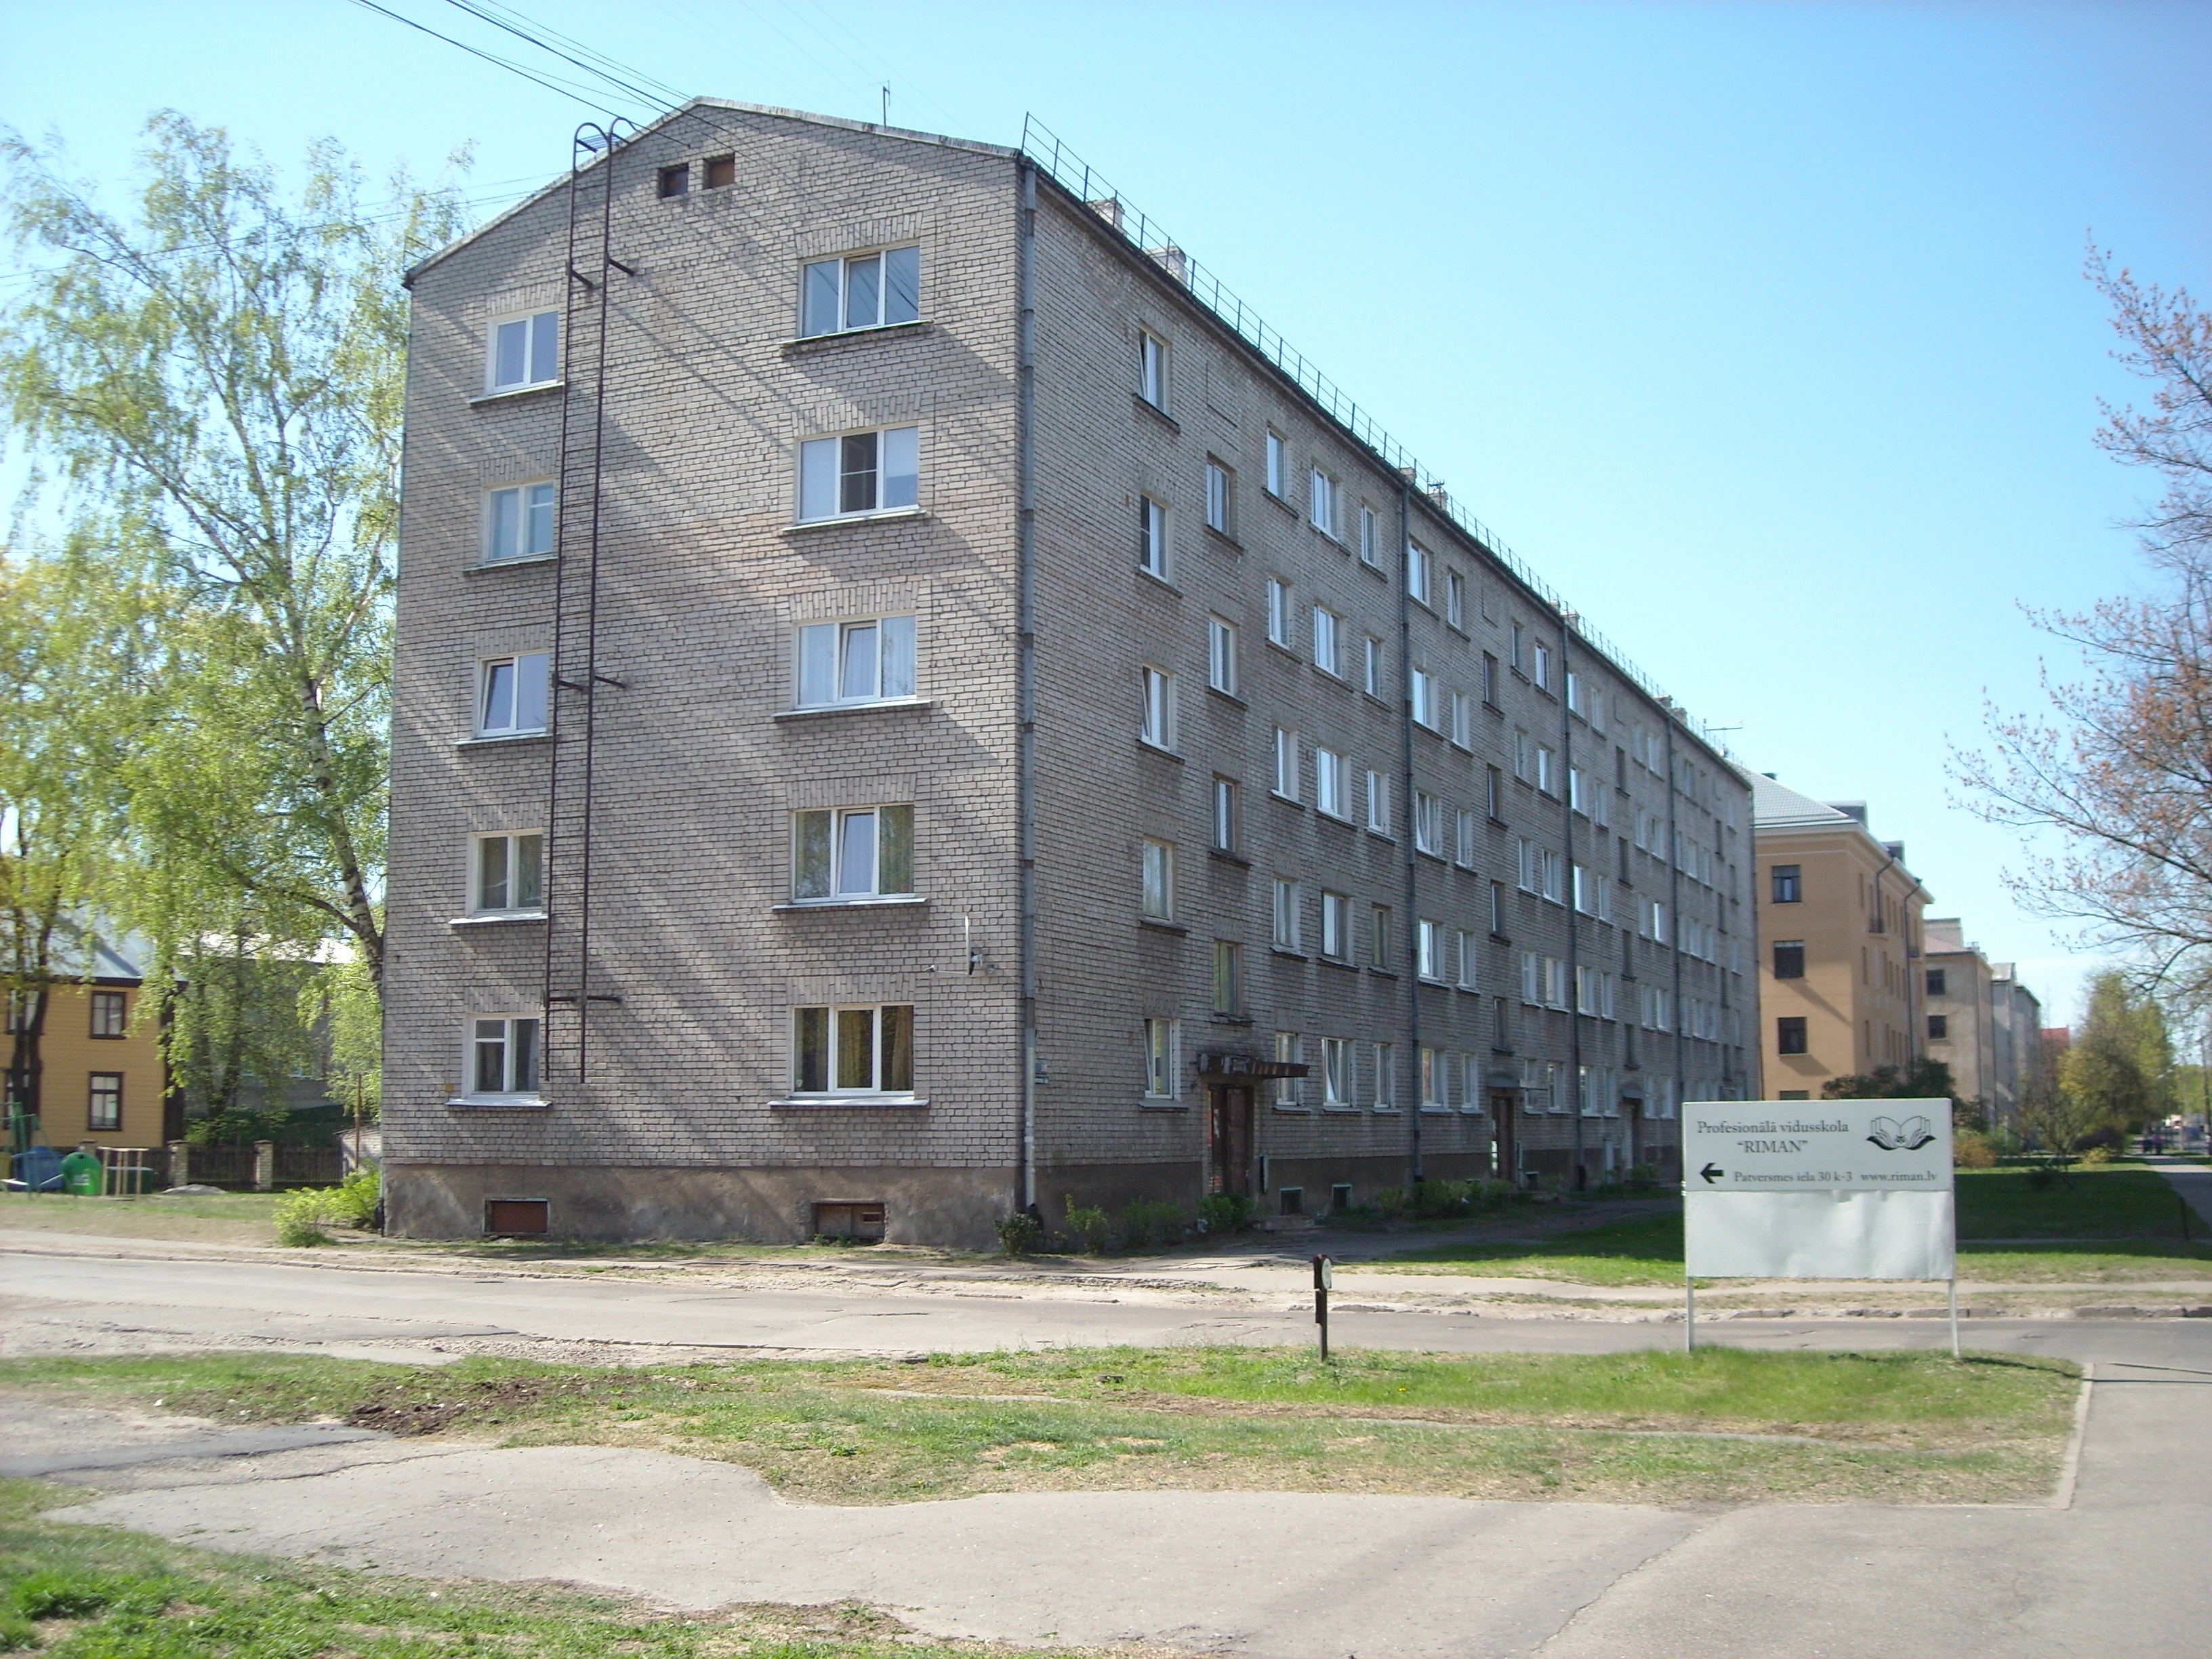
1818, 1189
1324, 1277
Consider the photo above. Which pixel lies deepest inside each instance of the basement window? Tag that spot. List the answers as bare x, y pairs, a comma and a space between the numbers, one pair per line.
721, 172
853, 1223
517, 1218
676, 180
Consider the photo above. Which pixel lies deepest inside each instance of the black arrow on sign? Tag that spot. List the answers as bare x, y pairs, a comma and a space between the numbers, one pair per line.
1710, 1173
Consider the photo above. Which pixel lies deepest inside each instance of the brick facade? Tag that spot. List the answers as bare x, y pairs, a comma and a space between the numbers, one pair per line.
703, 581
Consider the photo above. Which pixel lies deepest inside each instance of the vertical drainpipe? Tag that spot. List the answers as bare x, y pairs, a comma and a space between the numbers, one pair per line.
1413, 862
1574, 928
1026, 673
1675, 913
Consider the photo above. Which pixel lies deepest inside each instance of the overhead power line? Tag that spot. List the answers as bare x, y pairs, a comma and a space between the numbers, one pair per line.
599, 104
612, 70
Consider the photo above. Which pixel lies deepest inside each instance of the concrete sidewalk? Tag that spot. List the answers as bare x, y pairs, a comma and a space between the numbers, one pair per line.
1283, 1575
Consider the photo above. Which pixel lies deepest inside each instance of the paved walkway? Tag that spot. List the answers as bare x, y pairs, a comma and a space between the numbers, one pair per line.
1288, 1576
2193, 1180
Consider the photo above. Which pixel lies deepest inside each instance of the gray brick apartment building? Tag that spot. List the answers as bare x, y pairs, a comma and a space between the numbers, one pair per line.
910, 701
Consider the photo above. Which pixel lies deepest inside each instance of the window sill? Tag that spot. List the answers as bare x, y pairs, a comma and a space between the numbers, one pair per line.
1383, 1111
1382, 972
514, 393
866, 1102
1338, 962
1150, 747
1282, 502
1224, 857
1159, 580
1440, 984
1156, 411
494, 918
1330, 537
1228, 696
1291, 1111
850, 708
1279, 951
1381, 834
1162, 1104
1340, 1111
483, 565
1154, 924
1287, 800
886, 515
1501, 938
1436, 1111
502, 739
1228, 1019
1226, 539
498, 1102
1328, 817
810, 342
893, 901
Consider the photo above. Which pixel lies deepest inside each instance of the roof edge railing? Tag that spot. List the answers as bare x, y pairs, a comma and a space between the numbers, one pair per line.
1083, 181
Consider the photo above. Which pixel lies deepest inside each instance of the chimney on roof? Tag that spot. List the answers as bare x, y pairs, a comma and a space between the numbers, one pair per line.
1110, 210
1170, 259
1769, 774
1849, 809
1437, 493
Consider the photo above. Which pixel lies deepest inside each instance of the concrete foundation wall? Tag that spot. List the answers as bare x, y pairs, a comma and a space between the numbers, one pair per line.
773, 1206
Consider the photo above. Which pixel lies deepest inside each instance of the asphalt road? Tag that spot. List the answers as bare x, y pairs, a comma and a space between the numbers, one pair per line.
2115, 1569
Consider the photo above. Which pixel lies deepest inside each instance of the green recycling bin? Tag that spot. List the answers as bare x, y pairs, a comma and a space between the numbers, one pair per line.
80, 1176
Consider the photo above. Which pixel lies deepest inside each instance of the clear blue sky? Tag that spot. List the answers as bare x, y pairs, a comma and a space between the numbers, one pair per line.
1759, 329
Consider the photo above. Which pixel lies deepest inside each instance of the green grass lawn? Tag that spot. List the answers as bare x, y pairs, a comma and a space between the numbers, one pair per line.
2112, 1224
74, 1592
1643, 1426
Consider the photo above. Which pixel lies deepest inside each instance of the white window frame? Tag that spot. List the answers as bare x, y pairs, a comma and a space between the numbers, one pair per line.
1428, 823
537, 506
1152, 369
1455, 598
533, 322
1216, 496
1380, 818
1420, 571
1156, 723
1338, 1075
1371, 537
1290, 1047
1287, 763
1278, 463
1469, 958
1152, 536
1320, 501
1465, 834
1548, 770
821, 464
1371, 667
833, 1042
840, 820
891, 659
1286, 930
1335, 926
486, 668
1433, 1070
1156, 860
1421, 697
1429, 951
843, 263
1382, 1084
1330, 773
515, 1082
1473, 1089
1328, 641
1227, 809
1163, 1059
1278, 611
513, 840
1221, 655
1462, 721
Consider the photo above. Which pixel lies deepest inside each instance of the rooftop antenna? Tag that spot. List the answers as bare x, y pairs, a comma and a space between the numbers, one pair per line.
887, 106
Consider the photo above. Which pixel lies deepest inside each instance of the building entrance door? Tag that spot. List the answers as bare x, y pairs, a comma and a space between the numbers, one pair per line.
1501, 1117
1229, 1140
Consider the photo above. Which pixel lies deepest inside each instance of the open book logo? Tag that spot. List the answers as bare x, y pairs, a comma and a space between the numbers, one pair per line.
1909, 1136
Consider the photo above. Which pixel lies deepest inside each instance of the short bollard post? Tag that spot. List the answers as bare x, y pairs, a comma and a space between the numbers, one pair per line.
1324, 1276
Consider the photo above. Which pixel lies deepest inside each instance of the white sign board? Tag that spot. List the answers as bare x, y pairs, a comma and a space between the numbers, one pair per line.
1825, 1190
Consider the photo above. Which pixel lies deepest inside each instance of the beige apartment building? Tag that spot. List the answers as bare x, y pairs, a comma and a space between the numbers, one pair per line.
1959, 1013
1840, 942
911, 703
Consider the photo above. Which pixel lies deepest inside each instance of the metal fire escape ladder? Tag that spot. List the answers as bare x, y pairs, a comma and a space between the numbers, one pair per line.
573, 983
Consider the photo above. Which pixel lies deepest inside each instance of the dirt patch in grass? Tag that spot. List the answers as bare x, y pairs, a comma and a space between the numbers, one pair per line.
1721, 1425
79, 1592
